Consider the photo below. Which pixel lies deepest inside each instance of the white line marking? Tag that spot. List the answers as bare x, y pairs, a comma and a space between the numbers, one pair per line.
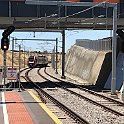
6, 121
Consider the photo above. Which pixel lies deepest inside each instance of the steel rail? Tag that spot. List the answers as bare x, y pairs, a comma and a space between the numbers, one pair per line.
90, 91
87, 99
72, 114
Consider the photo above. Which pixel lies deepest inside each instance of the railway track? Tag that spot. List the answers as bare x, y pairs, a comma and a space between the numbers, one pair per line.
96, 97
76, 118
76, 93
111, 102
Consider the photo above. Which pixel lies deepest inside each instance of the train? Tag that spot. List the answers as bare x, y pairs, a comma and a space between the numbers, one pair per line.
37, 61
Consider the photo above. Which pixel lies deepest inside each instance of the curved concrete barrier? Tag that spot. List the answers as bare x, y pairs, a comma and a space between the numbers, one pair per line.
84, 65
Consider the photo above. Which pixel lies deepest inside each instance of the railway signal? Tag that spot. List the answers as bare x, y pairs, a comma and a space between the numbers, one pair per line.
8, 31
4, 44
5, 40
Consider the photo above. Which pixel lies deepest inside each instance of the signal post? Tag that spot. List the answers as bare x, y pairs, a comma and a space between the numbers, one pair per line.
121, 35
5, 46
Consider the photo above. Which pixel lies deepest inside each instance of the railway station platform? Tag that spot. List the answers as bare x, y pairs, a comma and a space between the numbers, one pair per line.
24, 108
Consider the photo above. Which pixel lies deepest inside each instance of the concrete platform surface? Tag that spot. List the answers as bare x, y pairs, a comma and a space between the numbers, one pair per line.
24, 108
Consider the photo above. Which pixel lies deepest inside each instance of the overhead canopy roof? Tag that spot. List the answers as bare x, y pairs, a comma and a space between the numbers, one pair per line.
35, 15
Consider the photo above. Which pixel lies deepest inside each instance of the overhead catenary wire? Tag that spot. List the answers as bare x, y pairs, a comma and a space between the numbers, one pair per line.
47, 16
60, 18
71, 14
82, 10
108, 22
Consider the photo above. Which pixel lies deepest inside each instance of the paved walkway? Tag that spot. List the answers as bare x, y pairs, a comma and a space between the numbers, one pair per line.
24, 108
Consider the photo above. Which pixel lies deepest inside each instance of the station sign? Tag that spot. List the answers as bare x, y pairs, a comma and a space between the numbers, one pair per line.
12, 73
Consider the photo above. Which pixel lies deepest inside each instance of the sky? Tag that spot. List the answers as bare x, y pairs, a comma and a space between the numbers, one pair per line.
70, 38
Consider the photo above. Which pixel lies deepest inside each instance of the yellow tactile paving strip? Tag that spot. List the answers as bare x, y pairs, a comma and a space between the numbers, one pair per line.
54, 117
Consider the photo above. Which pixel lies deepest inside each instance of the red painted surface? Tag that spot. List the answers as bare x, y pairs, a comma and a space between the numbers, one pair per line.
17, 112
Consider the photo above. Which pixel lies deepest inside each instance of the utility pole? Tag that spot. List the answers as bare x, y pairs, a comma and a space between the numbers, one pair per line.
56, 54
4, 68
24, 56
114, 44
63, 54
19, 68
53, 58
12, 51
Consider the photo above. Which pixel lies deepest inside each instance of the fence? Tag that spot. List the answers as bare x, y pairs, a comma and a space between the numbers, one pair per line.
96, 45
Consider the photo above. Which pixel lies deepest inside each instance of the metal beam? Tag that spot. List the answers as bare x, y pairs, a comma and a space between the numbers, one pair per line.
37, 30
88, 4
38, 39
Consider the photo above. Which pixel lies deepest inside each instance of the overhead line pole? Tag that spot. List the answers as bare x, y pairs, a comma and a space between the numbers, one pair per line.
114, 45
56, 54
63, 54
19, 67
12, 51
24, 56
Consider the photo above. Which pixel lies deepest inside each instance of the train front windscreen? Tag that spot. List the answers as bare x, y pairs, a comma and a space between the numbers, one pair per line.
31, 58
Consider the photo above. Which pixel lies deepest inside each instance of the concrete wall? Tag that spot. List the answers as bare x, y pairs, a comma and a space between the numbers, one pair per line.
90, 63
84, 65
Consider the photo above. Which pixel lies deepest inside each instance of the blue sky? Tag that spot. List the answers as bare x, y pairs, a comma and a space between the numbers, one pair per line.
71, 37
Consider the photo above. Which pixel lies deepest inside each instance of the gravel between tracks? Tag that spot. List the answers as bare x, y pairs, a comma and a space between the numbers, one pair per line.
92, 113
